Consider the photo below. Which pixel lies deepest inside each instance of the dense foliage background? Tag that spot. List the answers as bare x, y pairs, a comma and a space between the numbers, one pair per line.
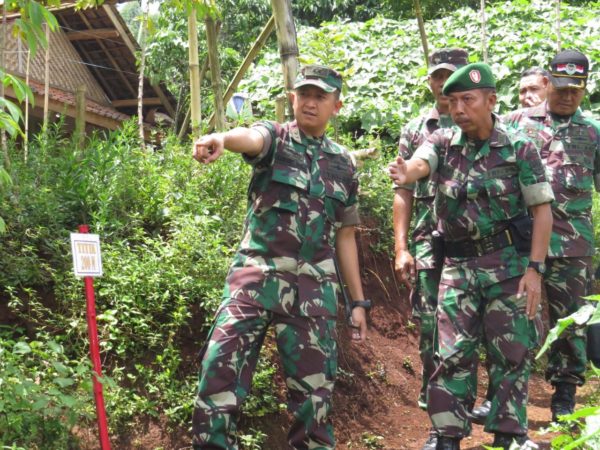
169, 226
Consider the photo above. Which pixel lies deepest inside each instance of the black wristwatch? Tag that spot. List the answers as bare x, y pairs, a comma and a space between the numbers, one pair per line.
362, 303
539, 267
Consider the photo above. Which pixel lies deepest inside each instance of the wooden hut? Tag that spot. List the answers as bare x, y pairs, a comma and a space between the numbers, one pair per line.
93, 48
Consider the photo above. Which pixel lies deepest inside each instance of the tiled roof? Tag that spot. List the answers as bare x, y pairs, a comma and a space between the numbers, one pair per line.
69, 99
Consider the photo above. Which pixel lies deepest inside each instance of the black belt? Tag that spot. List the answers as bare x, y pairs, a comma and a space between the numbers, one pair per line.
480, 247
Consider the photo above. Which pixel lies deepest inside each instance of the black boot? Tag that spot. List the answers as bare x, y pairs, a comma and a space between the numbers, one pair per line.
448, 443
479, 414
563, 400
431, 443
505, 440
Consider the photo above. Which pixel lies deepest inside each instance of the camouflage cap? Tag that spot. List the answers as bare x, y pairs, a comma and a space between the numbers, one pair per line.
327, 79
473, 76
569, 68
448, 58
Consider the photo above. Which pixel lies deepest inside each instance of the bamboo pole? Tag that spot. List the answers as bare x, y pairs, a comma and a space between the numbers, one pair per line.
484, 49
239, 75
80, 116
186, 120
195, 100
46, 80
280, 109
288, 46
558, 39
142, 42
2, 90
422, 32
215, 71
26, 136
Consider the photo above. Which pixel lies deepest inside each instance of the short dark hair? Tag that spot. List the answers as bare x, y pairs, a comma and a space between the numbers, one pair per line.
534, 71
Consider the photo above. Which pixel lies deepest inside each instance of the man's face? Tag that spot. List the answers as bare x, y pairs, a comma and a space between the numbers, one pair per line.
564, 101
471, 110
436, 83
532, 90
313, 107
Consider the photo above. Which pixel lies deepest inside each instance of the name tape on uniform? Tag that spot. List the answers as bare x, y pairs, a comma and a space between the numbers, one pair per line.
87, 260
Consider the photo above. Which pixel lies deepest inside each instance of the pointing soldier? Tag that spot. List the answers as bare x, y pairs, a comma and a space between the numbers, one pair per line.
421, 266
569, 144
302, 209
487, 177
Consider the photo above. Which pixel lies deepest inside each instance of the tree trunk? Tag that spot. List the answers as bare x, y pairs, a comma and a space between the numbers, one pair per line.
142, 42
258, 45
46, 80
215, 71
484, 49
194, 72
422, 32
288, 46
558, 45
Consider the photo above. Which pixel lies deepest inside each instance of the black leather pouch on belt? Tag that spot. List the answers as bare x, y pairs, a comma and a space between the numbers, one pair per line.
521, 231
593, 343
437, 244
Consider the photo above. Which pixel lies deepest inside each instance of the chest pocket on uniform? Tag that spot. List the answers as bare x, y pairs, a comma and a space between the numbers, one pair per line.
336, 174
503, 190
290, 176
576, 173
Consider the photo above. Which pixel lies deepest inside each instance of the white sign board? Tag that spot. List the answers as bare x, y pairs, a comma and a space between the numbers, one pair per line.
87, 260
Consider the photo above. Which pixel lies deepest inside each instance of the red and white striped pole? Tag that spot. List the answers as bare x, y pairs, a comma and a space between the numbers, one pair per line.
95, 355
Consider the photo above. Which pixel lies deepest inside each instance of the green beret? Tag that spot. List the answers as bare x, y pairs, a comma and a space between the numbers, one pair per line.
472, 76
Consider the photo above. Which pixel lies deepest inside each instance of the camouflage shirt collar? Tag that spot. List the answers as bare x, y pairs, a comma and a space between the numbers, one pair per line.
541, 111
498, 138
301, 138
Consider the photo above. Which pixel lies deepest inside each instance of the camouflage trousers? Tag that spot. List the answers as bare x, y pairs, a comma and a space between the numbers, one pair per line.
424, 301
566, 281
308, 352
469, 314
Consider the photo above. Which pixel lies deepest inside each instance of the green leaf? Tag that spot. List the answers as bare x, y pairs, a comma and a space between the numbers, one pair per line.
21, 348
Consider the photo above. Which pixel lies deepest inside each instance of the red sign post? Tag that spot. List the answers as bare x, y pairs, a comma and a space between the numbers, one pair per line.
95, 355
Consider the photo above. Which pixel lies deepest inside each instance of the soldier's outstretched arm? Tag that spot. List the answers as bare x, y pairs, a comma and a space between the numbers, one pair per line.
402, 171
347, 253
209, 148
531, 283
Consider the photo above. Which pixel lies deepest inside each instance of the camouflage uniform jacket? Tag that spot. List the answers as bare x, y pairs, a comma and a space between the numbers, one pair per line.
481, 189
570, 151
413, 135
301, 192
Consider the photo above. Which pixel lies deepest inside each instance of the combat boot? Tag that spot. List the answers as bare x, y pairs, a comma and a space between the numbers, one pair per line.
563, 400
479, 414
448, 443
505, 440
431, 443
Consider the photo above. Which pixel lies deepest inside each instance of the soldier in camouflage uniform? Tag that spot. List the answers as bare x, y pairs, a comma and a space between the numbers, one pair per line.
569, 145
487, 177
422, 269
302, 208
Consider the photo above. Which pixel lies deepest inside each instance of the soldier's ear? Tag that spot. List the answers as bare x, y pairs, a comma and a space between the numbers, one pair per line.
291, 96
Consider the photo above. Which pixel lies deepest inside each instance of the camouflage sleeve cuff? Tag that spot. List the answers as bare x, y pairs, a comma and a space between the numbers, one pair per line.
597, 182
263, 129
351, 216
408, 187
537, 194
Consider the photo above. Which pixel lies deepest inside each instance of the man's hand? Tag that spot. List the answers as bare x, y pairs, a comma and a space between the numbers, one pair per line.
208, 148
358, 332
397, 171
405, 268
531, 285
